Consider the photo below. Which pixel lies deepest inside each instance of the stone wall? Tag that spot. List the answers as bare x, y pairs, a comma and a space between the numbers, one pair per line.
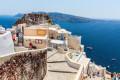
74, 43
29, 65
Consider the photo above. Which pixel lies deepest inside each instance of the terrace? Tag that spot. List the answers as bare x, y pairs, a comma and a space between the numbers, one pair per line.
80, 58
58, 69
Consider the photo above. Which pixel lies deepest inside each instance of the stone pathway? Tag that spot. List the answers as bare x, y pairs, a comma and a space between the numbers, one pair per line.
20, 48
59, 70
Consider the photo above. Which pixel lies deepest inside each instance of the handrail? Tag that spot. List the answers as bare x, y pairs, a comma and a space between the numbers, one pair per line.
76, 65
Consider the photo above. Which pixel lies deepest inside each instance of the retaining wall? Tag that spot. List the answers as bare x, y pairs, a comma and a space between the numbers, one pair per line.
27, 65
76, 66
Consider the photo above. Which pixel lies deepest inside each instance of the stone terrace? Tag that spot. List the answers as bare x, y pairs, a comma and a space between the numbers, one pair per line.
57, 67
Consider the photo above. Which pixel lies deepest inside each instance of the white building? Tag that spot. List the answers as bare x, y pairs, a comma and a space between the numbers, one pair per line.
6, 42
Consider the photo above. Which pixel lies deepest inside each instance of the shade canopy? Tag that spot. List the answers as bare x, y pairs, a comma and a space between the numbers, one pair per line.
35, 37
57, 41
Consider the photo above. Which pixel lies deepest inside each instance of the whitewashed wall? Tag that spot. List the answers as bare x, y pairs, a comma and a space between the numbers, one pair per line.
6, 44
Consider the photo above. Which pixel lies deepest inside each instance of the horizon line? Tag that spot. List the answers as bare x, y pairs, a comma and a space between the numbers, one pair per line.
61, 13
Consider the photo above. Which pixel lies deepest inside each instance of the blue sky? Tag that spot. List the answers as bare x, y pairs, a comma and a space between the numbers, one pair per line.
109, 9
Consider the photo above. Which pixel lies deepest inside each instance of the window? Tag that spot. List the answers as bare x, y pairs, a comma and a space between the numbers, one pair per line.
41, 32
64, 38
38, 41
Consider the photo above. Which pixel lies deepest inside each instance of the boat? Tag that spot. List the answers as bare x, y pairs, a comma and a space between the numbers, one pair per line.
108, 67
113, 59
89, 47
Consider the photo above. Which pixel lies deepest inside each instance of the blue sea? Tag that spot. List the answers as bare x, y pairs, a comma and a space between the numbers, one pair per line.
103, 37
7, 21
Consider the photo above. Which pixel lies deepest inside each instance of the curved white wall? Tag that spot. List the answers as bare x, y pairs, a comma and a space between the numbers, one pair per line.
6, 44
75, 65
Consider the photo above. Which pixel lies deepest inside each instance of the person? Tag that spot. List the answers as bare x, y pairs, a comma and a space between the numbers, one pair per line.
98, 73
30, 44
118, 77
112, 76
20, 38
13, 37
16, 29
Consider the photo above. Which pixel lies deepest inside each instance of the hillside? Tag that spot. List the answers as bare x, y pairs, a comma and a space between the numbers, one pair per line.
55, 16
33, 18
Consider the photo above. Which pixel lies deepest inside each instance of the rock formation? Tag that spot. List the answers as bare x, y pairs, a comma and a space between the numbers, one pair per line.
33, 19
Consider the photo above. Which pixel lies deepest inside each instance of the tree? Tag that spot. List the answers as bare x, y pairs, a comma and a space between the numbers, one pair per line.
50, 21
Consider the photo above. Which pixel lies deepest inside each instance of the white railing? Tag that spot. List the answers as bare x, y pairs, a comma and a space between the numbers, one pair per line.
75, 65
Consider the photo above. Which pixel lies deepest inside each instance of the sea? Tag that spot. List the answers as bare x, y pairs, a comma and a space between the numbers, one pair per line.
103, 37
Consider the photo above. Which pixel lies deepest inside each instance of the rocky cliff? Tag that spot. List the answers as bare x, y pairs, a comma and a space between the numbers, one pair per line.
34, 18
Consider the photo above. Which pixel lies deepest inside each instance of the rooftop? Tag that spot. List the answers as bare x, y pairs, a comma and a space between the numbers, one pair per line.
62, 31
83, 60
35, 37
1, 33
36, 27
54, 27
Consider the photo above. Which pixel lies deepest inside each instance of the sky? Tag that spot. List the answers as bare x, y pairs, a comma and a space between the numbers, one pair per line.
104, 9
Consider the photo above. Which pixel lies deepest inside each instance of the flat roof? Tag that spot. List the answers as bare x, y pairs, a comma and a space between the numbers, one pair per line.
62, 31
96, 66
57, 41
52, 28
36, 27
35, 37
40, 27
85, 61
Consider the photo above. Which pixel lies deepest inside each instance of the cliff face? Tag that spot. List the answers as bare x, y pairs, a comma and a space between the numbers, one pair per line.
35, 18
24, 66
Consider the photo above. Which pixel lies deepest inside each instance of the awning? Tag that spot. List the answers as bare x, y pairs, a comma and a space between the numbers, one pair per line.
35, 37
57, 41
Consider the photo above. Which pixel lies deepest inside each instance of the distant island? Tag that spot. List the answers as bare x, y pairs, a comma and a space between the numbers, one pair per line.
55, 16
